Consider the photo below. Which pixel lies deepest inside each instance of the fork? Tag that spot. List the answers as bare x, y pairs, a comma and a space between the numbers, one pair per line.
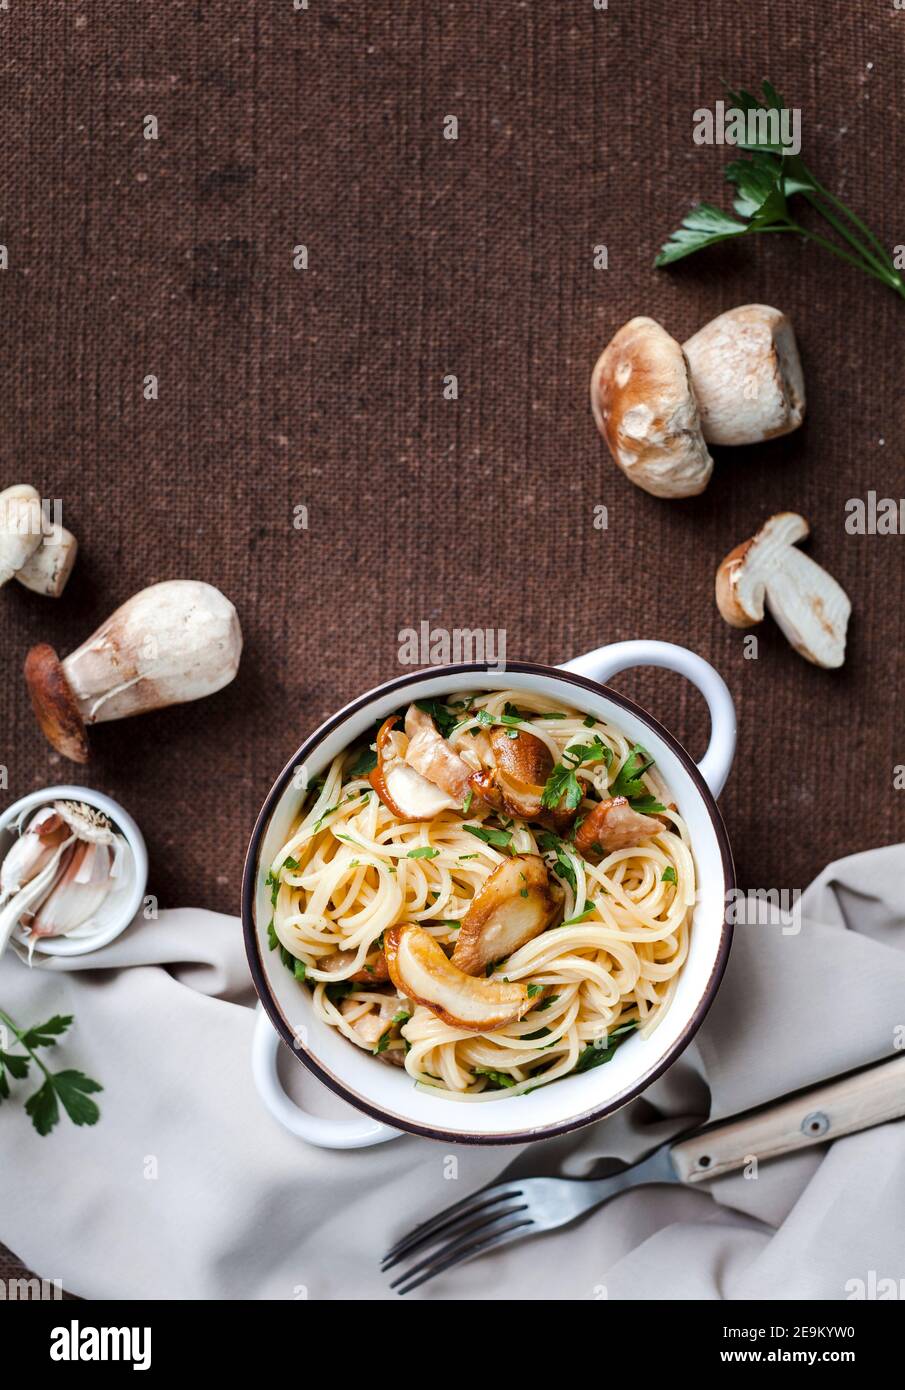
505, 1212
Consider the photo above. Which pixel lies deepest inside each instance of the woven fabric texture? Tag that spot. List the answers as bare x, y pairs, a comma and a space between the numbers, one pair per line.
303, 454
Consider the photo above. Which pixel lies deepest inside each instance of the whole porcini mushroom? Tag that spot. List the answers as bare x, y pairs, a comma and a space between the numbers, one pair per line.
170, 643
747, 376
810, 607
20, 529
40, 557
644, 405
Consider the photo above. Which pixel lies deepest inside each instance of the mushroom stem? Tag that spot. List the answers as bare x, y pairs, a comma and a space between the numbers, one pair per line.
49, 567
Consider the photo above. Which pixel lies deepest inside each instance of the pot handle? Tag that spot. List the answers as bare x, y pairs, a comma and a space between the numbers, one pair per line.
359, 1131
604, 663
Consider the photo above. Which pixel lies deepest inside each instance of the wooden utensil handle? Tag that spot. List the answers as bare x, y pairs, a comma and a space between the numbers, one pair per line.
854, 1102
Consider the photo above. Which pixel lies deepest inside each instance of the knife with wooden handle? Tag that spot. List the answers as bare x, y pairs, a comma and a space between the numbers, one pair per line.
820, 1114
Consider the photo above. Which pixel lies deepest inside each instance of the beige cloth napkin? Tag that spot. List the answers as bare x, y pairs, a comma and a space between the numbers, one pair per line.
188, 1189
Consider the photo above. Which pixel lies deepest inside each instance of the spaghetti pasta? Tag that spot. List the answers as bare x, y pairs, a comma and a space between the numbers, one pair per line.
607, 961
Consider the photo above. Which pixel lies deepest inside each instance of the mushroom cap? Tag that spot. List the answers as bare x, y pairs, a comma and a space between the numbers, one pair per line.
645, 408
21, 528
55, 706
747, 375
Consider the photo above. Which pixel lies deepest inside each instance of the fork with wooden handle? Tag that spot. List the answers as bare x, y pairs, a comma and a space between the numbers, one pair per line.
505, 1212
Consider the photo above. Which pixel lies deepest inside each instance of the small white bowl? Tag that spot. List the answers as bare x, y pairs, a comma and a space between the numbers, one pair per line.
121, 905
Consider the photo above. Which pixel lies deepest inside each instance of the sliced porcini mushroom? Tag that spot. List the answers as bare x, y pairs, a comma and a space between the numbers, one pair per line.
21, 529
614, 824
644, 405
515, 784
48, 568
747, 376
810, 607
372, 1025
525, 758
373, 972
514, 905
430, 754
421, 971
401, 789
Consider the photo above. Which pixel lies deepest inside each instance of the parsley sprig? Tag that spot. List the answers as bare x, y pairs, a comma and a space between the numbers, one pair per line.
68, 1088
604, 1049
628, 783
562, 788
764, 183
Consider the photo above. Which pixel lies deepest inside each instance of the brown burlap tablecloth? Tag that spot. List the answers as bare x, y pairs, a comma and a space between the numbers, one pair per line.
323, 389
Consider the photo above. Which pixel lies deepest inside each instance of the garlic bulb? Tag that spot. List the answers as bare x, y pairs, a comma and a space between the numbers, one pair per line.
59, 872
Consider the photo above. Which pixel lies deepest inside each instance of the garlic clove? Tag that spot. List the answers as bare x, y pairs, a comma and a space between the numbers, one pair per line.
77, 894
23, 903
32, 851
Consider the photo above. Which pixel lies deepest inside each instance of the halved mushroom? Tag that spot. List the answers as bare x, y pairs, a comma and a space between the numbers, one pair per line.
747, 375
614, 824
401, 789
810, 607
420, 970
514, 905
430, 754
644, 405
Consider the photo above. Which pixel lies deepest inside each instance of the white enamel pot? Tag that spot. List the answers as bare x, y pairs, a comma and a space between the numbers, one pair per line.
385, 1099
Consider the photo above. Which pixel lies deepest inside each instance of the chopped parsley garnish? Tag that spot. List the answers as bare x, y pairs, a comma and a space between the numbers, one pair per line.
340, 989
545, 1003
497, 1079
627, 781
534, 989
582, 917
383, 1043
273, 883
552, 844
603, 1049
669, 875
589, 721
441, 714
290, 863
402, 1017
364, 763
502, 839
466, 804
562, 786
424, 852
